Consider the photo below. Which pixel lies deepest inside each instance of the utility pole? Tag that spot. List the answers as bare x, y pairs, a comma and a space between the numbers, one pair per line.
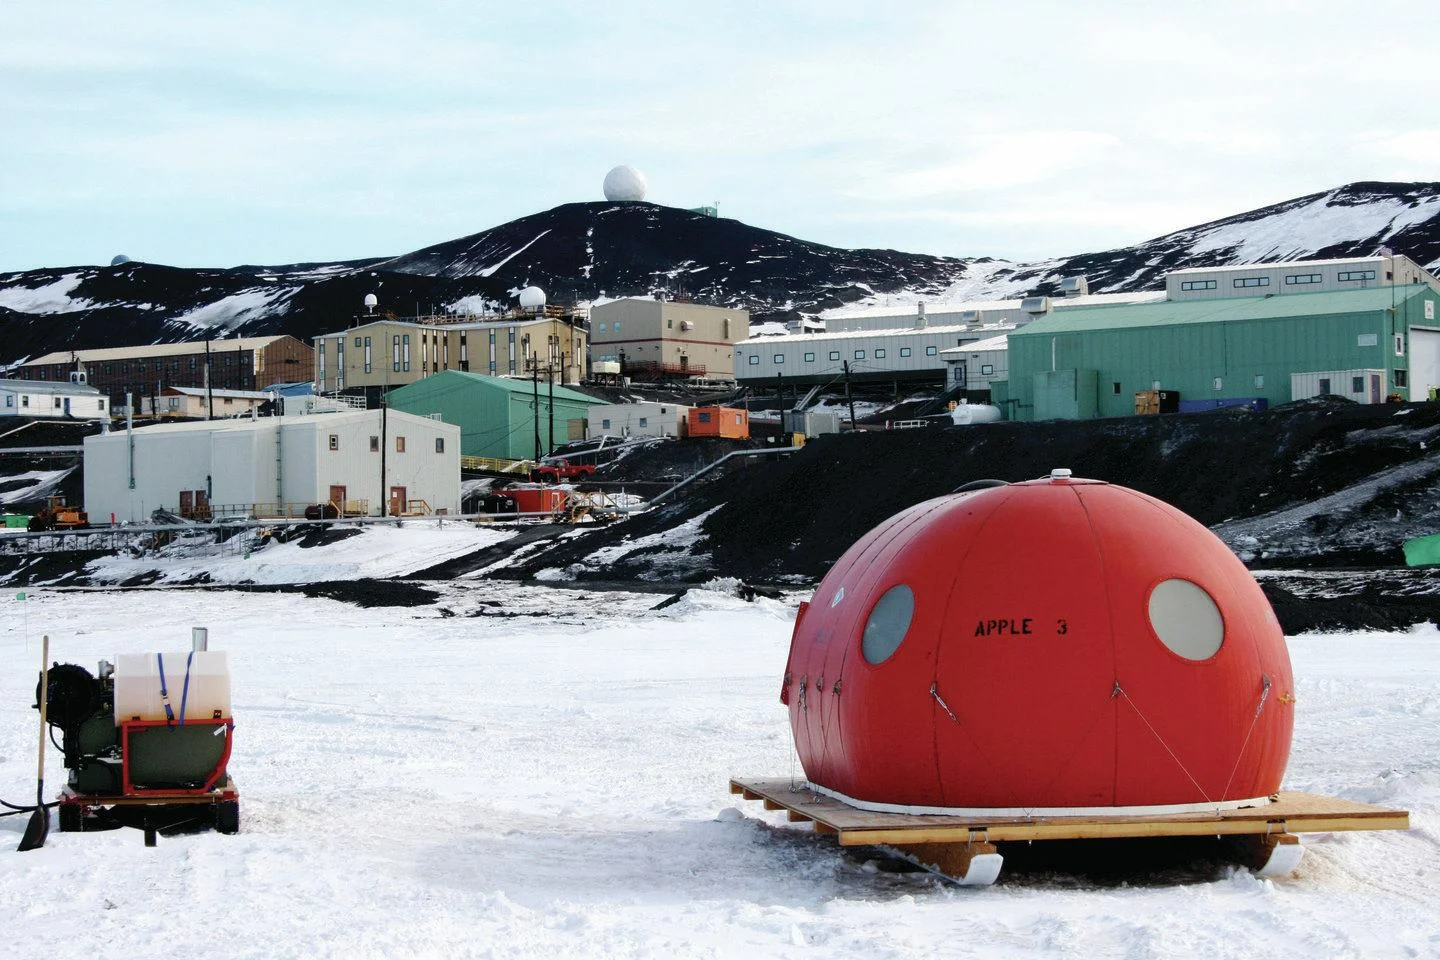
209, 393
384, 442
535, 399
848, 399
550, 370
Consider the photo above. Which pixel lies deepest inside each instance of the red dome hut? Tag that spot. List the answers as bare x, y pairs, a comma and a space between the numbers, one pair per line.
1059, 645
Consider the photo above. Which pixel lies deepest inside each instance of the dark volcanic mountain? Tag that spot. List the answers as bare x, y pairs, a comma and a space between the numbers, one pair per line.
581, 251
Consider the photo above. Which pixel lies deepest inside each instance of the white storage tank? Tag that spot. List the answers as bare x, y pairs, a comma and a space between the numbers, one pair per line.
200, 681
966, 414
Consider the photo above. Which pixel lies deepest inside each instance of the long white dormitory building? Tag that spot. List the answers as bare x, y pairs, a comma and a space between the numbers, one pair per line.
886, 344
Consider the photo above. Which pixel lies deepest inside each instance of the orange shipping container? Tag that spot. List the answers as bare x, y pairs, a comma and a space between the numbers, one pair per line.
730, 422
534, 498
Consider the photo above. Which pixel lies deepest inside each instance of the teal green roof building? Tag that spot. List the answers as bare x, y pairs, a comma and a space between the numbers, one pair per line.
497, 416
1091, 362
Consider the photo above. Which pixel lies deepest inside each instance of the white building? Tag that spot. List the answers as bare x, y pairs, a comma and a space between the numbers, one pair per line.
1295, 276
273, 466
56, 400
975, 366
644, 419
870, 354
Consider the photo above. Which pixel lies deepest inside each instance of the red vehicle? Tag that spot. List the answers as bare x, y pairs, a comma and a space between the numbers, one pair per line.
559, 470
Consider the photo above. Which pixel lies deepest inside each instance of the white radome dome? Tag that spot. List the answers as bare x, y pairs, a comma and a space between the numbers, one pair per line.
531, 298
119, 259
624, 183
371, 300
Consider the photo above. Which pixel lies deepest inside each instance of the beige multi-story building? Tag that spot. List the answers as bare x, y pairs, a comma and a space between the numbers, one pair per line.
661, 339
391, 353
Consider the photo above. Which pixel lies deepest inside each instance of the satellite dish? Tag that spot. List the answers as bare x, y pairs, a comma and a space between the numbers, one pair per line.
624, 183
119, 259
532, 298
371, 302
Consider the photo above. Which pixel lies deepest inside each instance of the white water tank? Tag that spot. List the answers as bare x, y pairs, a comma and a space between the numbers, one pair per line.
966, 414
138, 685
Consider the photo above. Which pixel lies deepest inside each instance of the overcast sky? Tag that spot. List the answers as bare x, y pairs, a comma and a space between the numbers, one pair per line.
200, 134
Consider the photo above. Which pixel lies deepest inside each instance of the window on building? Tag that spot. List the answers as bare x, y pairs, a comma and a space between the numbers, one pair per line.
334, 441
1197, 285
140, 367
9, 399
986, 369
754, 361
1324, 386
102, 403
617, 326
904, 351
669, 323
931, 351
25, 401
368, 366
357, 341
1115, 388
809, 358
1401, 378
439, 444
57, 403
399, 444
644, 421
173, 403
1352, 276
603, 326
374, 444
1367, 340
1301, 279
834, 354
779, 358
1218, 383
1252, 281
1357, 384
880, 353
703, 417
859, 354
1399, 344
1259, 381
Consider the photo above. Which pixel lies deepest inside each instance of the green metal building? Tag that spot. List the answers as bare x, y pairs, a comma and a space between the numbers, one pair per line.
497, 416
1364, 344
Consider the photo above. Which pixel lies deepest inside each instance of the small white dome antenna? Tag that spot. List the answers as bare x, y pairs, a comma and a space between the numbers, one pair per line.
532, 299
371, 302
624, 183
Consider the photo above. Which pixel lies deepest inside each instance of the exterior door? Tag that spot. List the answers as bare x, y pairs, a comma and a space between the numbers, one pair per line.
202, 505
1374, 388
187, 503
67, 406
684, 363
397, 501
337, 497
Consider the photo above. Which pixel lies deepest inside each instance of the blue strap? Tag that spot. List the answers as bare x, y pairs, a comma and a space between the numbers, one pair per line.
185, 690
165, 694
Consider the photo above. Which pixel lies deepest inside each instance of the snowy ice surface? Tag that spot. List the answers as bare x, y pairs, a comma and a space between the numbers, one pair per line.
53, 297
38, 484
544, 775
1304, 229
490, 270
375, 551
230, 312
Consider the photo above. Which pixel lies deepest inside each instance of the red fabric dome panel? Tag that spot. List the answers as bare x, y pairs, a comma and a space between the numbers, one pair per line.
1071, 644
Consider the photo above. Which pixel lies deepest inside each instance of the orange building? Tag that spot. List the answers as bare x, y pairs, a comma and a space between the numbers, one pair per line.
729, 422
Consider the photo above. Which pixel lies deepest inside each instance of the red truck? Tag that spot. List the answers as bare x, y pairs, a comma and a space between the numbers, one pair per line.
559, 470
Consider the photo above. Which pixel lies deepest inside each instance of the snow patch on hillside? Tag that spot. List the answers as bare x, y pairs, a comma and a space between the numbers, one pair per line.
238, 309
53, 297
1302, 230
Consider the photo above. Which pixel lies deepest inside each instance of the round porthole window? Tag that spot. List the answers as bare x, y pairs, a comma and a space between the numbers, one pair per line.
1186, 619
889, 619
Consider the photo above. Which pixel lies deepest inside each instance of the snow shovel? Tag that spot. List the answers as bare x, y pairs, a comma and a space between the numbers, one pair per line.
39, 826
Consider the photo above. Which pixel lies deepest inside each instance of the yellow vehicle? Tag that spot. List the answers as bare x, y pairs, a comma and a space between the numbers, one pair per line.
56, 515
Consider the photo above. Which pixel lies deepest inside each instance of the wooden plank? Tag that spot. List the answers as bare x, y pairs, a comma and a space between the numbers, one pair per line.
1290, 812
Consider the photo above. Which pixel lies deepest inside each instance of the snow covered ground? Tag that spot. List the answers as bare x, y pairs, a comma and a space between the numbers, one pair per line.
542, 773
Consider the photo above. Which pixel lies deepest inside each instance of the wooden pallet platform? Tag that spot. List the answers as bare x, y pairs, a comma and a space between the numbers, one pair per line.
954, 843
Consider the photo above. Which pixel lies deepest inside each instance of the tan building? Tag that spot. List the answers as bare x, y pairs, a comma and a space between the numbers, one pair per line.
194, 402
663, 339
391, 353
248, 363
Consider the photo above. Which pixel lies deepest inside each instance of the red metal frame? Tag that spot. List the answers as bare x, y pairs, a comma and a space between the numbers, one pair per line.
129, 787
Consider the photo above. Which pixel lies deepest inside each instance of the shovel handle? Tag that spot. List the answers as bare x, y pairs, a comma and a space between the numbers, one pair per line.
44, 699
